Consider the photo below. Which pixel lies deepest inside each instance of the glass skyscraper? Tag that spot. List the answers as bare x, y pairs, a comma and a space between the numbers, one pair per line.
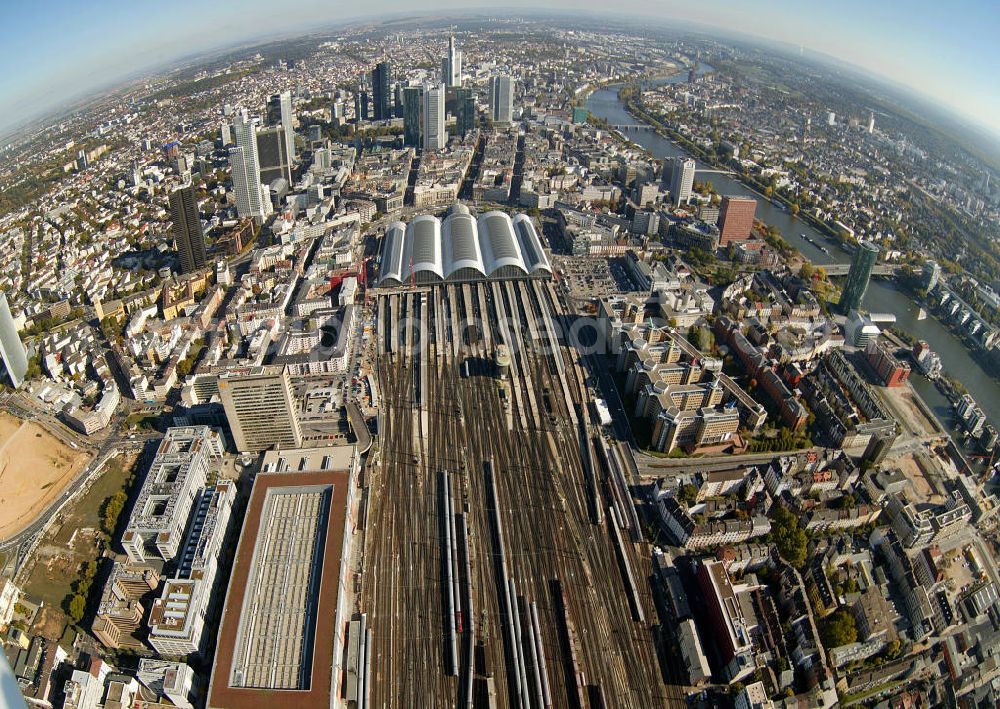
412, 118
862, 264
188, 235
382, 91
502, 99
465, 110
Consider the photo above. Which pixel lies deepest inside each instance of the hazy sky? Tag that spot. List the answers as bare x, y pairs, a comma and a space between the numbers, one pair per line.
56, 49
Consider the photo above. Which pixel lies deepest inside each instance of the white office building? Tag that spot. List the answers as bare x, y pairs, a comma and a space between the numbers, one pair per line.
435, 137
15, 357
174, 681
681, 180
181, 467
451, 66
251, 200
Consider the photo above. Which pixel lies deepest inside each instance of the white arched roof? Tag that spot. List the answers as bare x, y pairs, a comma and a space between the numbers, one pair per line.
499, 245
531, 246
460, 236
393, 253
423, 245
461, 247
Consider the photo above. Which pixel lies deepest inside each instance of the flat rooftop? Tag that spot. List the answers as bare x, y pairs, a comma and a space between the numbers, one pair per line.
273, 643
323, 458
276, 640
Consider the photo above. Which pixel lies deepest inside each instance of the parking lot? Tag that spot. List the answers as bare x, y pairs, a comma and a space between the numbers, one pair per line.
587, 277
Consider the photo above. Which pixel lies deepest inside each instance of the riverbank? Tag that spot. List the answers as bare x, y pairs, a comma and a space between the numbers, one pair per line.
591, 89
882, 295
635, 109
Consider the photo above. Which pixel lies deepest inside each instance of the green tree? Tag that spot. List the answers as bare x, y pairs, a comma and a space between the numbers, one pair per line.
839, 628
846, 502
687, 493
112, 510
77, 608
894, 649
789, 537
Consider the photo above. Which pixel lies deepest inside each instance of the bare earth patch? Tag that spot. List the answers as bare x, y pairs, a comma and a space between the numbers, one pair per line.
35, 468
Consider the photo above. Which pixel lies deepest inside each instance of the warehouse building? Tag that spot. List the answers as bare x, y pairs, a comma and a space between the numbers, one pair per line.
281, 634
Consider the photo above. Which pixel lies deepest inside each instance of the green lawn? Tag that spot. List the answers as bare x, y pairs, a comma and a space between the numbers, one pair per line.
57, 564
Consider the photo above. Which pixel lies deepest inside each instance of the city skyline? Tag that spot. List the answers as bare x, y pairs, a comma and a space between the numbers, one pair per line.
954, 75
644, 368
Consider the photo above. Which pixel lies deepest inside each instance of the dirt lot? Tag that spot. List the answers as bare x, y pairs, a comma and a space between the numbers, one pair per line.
73, 542
902, 401
35, 467
922, 488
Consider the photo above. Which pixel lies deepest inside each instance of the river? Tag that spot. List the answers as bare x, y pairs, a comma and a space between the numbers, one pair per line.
882, 297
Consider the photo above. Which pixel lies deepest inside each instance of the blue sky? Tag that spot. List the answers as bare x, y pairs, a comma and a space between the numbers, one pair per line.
54, 49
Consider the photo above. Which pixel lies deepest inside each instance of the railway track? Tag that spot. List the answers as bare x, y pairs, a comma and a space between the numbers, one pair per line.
437, 422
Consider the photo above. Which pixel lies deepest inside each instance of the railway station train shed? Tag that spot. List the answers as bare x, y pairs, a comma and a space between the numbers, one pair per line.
461, 249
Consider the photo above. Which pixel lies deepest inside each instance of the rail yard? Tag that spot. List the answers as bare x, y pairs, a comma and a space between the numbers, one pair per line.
501, 568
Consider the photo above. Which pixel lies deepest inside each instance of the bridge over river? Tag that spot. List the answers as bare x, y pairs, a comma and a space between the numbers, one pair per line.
841, 269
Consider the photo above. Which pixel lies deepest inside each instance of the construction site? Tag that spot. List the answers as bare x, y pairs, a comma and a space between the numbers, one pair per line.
502, 563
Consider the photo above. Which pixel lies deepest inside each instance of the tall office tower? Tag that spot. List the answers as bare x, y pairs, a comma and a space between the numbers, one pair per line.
871, 122
413, 99
397, 101
736, 219
134, 174
360, 106
250, 198
862, 264
435, 136
502, 99
260, 408
272, 151
226, 134
188, 235
451, 66
931, 275
382, 91
465, 109
279, 110
15, 357
831, 118
681, 180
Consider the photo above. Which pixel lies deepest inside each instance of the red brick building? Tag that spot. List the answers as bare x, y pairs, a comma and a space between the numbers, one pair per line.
891, 371
736, 219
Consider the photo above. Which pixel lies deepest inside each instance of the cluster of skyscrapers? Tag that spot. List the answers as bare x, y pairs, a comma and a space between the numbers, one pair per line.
424, 107
261, 156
